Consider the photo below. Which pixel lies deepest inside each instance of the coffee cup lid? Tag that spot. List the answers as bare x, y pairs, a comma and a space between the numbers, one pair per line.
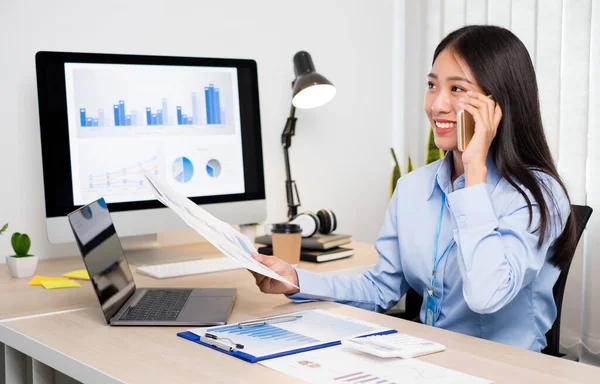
286, 228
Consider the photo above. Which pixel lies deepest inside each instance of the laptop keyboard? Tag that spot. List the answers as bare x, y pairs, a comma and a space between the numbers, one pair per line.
158, 305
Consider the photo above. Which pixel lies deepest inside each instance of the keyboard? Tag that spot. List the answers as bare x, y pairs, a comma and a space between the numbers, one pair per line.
158, 305
187, 268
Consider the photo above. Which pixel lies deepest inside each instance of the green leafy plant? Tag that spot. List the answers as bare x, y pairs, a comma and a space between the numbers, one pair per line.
433, 154
21, 244
396, 172
4, 228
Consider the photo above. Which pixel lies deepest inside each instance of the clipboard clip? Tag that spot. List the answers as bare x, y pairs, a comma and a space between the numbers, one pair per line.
216, 341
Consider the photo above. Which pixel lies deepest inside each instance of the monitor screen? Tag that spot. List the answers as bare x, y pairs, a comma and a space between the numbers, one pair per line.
180, 123
192, 122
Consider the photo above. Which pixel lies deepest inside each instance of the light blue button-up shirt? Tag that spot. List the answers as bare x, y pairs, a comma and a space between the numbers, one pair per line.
494, 283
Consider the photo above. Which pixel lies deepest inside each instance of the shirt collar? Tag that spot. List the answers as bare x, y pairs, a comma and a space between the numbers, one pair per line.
443, 174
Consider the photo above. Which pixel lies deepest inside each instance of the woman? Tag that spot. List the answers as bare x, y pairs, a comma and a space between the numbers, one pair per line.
494, 222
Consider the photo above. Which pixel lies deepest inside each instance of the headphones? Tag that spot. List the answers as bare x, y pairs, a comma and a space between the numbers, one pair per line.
323, 222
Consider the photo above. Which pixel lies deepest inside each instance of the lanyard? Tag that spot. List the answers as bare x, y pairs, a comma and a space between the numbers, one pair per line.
436, 260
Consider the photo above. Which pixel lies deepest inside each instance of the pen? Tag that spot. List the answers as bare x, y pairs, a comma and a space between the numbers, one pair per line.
270, 320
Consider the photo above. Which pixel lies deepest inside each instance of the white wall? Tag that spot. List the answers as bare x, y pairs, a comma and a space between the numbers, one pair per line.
563, 39
340, 156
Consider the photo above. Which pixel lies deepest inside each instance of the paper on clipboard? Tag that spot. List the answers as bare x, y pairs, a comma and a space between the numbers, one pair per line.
220, 234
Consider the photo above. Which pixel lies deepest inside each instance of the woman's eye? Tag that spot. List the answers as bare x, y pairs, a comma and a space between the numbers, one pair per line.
430, 85
457, 89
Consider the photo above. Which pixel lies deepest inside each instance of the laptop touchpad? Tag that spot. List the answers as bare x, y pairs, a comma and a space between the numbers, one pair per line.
210, 309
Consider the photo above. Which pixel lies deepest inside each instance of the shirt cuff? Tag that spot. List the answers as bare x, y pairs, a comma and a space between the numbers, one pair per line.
312, 287
471, 207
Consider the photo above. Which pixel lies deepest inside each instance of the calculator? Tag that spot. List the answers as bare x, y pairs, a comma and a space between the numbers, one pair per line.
393, 345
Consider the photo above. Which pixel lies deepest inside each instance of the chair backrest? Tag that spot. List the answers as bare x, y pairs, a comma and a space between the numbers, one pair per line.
412, 305
582, 215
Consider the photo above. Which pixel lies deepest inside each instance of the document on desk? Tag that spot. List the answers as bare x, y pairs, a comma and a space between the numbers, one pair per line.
220, 234
312, 329
340, 365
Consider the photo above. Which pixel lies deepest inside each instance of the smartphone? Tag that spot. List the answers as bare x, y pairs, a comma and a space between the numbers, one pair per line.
465, 129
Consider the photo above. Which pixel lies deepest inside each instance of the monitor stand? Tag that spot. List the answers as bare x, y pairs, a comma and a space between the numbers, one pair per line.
148, 250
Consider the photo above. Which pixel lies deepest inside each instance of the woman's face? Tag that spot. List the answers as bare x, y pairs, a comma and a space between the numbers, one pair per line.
449, 80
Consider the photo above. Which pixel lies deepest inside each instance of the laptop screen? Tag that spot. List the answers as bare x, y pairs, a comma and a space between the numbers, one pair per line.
103, 256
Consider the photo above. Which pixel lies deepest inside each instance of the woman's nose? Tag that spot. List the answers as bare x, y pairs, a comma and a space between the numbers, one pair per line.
441, 104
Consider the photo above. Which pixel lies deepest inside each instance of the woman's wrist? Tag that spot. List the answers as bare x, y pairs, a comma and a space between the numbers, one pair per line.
475, 174
296, 282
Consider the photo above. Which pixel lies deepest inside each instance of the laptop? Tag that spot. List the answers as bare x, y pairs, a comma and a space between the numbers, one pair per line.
120, 300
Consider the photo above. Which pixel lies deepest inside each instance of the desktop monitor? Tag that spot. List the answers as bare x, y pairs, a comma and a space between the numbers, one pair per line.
192, 122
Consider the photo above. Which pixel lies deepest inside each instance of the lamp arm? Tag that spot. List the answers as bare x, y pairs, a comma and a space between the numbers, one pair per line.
289, 130
291, 190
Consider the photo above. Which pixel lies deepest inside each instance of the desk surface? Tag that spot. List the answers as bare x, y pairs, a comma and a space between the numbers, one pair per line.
81, 345
17, 299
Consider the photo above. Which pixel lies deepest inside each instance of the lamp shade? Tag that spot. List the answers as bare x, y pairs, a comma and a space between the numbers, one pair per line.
310, 89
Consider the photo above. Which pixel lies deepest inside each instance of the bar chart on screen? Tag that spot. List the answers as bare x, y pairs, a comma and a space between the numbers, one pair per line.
339, 365
150, 100
120, 117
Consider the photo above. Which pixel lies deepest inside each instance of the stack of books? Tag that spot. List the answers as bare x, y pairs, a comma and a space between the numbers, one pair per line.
317, 248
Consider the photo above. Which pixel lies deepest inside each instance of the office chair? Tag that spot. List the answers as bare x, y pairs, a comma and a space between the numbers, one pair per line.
582, 215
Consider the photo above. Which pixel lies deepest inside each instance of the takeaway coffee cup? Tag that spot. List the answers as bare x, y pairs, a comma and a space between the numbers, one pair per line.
287, 239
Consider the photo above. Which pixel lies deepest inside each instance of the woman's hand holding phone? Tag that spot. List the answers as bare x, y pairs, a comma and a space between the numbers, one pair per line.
487, 115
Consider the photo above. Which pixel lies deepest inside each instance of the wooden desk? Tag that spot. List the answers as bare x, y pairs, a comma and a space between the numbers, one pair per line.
80, 345
17, 299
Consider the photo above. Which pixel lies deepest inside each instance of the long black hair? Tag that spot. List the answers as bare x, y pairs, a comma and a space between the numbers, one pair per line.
502, 67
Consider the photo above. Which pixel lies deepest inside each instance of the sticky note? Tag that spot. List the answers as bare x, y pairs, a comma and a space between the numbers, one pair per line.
37, 280
80, 274
55, 284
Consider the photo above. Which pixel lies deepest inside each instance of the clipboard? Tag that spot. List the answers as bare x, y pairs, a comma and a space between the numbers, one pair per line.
315, 315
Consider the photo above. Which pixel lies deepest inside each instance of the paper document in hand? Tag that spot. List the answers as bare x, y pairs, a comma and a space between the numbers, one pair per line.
220, 234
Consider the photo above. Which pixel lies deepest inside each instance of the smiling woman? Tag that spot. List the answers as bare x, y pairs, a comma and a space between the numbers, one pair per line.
488, 60
481, 234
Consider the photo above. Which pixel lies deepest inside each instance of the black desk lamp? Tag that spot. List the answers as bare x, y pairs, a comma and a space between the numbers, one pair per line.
310, 90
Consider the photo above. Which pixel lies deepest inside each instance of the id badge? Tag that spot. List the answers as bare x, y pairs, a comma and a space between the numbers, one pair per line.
430, 313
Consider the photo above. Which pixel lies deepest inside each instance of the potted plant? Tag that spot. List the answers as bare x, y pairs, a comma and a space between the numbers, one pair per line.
433, 154
21, 264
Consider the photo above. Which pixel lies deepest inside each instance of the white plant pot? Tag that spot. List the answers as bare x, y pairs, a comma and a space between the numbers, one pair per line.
22, 266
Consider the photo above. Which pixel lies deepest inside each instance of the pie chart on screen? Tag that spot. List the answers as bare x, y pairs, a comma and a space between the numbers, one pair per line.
183, 169
213, 168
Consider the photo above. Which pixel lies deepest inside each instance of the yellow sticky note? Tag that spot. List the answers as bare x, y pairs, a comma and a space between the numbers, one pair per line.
80, 274
37, 280
55, 284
